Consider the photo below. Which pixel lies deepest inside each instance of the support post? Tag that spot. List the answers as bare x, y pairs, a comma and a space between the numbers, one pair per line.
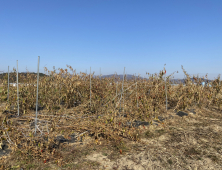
37, 85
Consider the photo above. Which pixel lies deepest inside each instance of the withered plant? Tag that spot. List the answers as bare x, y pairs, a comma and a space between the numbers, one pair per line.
64, 107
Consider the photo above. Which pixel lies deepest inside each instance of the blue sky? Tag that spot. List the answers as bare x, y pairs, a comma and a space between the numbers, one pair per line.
140, 35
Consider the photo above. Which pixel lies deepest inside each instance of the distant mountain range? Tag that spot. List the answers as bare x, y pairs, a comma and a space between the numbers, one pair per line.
120, 77
130, 77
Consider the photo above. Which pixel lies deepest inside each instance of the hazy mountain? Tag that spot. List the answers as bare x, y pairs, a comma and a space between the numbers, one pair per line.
173, 81
119, 77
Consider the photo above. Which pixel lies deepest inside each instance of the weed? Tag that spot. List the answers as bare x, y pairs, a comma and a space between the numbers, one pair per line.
170, 161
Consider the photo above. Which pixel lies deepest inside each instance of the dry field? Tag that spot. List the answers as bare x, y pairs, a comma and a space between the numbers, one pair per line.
72, 133
185, 140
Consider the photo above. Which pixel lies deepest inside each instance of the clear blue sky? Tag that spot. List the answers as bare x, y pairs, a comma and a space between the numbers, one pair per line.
140, 35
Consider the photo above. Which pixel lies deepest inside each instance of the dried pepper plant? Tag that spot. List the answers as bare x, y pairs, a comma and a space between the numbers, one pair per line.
65, 107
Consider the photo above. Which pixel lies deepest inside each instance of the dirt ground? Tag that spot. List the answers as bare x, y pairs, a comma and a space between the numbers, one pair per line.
190, 139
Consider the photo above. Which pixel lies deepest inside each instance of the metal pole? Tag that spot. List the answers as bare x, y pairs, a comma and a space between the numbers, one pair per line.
90, 87
166, 90
37, 95
8, 85
136, 91
136, 95
122, 88
122, 91
17, 89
